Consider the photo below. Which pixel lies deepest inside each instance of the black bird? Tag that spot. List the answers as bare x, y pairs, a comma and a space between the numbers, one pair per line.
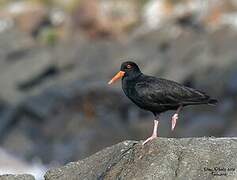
156, 94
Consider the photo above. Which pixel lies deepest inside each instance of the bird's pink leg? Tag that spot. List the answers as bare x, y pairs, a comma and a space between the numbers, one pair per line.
175, 117
154, 134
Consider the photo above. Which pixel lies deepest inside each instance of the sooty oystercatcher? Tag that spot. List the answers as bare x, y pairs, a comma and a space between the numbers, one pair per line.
156, 94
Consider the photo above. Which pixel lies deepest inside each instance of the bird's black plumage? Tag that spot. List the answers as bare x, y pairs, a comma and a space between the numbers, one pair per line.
156, 94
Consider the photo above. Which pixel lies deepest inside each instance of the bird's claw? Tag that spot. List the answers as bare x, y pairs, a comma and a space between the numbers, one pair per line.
149, 139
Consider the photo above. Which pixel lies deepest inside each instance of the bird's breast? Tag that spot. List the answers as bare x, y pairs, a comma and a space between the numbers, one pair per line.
128, 88
131, 93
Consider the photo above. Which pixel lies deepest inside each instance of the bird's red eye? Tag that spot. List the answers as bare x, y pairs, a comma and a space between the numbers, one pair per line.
129, 66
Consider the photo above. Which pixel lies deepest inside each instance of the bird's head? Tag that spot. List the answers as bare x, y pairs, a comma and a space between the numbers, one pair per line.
128, 69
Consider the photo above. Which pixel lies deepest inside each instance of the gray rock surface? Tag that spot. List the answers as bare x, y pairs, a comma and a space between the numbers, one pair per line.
164, 158
17, 177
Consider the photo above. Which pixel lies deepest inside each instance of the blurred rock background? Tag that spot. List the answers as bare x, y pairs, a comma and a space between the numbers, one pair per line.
56, 57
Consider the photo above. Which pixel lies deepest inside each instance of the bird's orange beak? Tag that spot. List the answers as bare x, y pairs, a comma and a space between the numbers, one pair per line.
119, 75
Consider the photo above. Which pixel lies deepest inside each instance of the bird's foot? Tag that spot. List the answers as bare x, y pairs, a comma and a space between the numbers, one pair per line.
174, 120
149, 139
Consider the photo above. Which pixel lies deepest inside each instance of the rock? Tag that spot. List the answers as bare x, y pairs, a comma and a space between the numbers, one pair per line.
11, 164
17, 177
105, 18
203, 125
232, 83
202, 158
27, 15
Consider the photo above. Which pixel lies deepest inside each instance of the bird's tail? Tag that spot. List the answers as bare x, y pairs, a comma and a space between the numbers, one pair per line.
212, 102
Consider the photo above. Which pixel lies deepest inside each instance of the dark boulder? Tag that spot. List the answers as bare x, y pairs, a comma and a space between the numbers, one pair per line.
187, 158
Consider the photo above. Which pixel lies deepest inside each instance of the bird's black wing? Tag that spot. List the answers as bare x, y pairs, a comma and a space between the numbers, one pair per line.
156, 91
